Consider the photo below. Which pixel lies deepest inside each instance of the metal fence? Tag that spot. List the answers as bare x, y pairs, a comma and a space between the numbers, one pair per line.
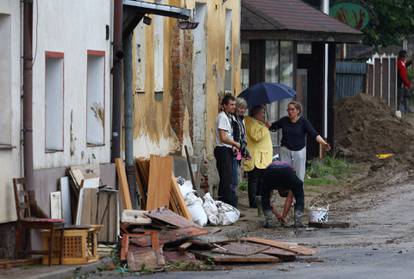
377, 77
350, 79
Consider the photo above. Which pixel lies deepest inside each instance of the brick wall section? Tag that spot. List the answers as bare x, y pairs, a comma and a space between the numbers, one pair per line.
181, 77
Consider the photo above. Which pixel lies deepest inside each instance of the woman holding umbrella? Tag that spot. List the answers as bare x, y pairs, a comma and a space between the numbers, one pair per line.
295, 128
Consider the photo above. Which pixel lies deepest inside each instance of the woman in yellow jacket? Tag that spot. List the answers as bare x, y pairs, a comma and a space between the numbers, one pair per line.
259, 144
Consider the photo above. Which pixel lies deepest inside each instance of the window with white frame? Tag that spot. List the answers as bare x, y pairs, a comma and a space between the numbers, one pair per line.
140, 46
95, 98
5, 81
228, 76
54, 101
158, 23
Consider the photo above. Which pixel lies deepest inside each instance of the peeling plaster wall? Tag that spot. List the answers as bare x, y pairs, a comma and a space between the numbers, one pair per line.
72, 28
10, 158
163, 124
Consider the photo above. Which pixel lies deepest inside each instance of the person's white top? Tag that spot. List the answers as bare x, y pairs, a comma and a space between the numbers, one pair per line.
223, 123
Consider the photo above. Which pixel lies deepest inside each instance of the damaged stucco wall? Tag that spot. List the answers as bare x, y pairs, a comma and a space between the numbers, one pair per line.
187, 110
10, 95
10, 155
72, 28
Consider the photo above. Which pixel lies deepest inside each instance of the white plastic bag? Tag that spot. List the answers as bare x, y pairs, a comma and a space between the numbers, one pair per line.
228, 214
195, 206
211, 210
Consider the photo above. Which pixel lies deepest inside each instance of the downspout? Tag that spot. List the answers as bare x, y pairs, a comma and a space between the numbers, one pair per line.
28, 95
325, 10
117, 81
128, 119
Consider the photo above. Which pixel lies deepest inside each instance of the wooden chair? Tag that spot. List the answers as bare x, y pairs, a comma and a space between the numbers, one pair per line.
25, 222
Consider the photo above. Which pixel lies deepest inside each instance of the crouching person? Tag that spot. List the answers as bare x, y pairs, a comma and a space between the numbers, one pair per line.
281, 176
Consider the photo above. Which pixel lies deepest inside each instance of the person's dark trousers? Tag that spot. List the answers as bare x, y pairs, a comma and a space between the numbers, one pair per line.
224, 163
253, 179
403, 96
235, 179
281, 178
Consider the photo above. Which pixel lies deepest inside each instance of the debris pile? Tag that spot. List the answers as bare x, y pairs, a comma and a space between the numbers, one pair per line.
152, 239
366, 127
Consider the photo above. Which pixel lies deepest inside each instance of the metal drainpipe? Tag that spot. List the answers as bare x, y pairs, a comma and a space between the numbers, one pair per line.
325, 10
128, 119
117, 81
28, 95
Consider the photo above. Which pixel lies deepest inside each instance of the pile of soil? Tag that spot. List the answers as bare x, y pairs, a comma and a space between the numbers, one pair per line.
365, 126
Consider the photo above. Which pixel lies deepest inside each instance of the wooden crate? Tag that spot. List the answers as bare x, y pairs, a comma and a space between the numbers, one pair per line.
79, 246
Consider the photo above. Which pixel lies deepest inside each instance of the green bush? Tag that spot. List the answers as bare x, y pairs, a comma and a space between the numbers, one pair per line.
326, 171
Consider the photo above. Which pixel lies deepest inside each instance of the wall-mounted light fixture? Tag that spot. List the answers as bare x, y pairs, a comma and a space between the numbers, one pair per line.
147, 20
187, 24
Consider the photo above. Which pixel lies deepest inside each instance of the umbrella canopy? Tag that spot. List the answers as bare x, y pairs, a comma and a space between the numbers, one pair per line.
266, 93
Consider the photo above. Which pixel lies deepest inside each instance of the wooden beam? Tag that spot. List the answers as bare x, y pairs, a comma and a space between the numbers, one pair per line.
123, 184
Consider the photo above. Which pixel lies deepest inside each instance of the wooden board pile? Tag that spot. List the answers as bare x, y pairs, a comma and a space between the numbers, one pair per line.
145, 234
150, 239
90, 202
157, 185
251, 250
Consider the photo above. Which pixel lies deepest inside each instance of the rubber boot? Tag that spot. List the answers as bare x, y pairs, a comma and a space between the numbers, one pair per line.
259, 206
298, 219
268, 215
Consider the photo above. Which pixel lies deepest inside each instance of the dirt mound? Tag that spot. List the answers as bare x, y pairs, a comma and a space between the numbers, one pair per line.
365, 126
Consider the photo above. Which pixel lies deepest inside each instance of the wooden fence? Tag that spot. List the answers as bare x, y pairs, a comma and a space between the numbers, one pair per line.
377, 77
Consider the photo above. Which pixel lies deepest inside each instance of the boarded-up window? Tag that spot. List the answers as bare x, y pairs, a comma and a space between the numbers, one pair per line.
54, 101
228, 77
158, 22
140, 46
5, 80
95, 102
245, 48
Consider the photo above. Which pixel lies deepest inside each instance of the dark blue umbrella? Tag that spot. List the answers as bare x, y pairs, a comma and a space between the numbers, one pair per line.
266, 93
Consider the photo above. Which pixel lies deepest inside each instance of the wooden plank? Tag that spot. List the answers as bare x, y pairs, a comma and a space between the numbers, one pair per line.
89, 206
143, 167
184, 247
55, 205
283, 255
159, 184
6, 264
241, 249
107, 215
90, 182
142, 258
80, 207
136, 217
169, 236
66, 201
298, 249
233, 259
123, 184
179, 200
169, 217
174, 256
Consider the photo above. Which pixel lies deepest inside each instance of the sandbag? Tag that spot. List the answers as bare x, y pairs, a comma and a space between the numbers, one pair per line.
195, 206
211, 209
228, 214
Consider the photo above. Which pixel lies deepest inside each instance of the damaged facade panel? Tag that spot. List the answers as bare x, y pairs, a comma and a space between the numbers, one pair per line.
200, 65
70, 40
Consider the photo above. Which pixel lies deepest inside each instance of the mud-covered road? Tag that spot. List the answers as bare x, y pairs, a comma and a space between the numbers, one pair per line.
379, 243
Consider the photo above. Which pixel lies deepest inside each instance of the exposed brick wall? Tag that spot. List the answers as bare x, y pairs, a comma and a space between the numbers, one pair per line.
181, 77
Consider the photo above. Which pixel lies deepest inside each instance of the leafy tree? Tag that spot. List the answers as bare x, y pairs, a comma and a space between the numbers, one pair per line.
391, 20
